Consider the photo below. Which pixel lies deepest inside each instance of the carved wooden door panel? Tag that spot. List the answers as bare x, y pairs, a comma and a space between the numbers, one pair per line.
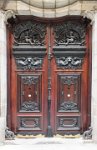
70, 77
29, 78
49, 76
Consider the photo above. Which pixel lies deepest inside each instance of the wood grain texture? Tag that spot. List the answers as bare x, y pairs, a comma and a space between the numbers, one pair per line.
69, 86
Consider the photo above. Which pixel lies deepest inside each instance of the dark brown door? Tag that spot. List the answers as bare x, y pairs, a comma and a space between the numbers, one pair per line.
49, 73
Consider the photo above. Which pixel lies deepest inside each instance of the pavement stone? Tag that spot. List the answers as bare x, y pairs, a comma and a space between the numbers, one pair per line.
49, 144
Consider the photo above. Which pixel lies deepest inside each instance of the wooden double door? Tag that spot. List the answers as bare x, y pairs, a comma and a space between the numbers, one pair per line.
49, 77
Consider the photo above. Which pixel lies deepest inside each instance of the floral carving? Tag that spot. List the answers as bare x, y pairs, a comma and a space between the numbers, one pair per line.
68, 106
29, 106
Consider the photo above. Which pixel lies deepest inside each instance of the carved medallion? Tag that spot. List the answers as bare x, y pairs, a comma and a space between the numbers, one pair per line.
29, 33
28, 63
70, 33
69, 62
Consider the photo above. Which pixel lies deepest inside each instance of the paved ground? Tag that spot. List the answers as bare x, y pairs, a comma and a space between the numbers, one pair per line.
49, 144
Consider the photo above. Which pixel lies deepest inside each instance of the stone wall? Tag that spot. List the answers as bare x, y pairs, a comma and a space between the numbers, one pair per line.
49, 8
94, 78
3, 77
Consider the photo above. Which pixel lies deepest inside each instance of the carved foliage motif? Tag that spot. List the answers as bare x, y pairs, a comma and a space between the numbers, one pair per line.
66, 106
69, 79
28, 63
29, 80
29, 106
69, 62
69, 33
29, 33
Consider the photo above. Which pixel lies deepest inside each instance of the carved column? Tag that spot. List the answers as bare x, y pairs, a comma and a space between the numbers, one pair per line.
94, 78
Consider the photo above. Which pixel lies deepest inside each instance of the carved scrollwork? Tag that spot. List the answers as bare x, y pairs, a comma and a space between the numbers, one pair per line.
70, 33
69, 62
29, 106
29, 33
28, 63
68, 106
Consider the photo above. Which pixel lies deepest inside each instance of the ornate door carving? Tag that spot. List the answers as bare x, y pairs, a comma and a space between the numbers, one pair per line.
49, 77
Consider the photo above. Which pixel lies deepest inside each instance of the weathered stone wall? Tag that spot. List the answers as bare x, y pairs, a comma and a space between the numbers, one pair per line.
3, 77
49, 8
94, 78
